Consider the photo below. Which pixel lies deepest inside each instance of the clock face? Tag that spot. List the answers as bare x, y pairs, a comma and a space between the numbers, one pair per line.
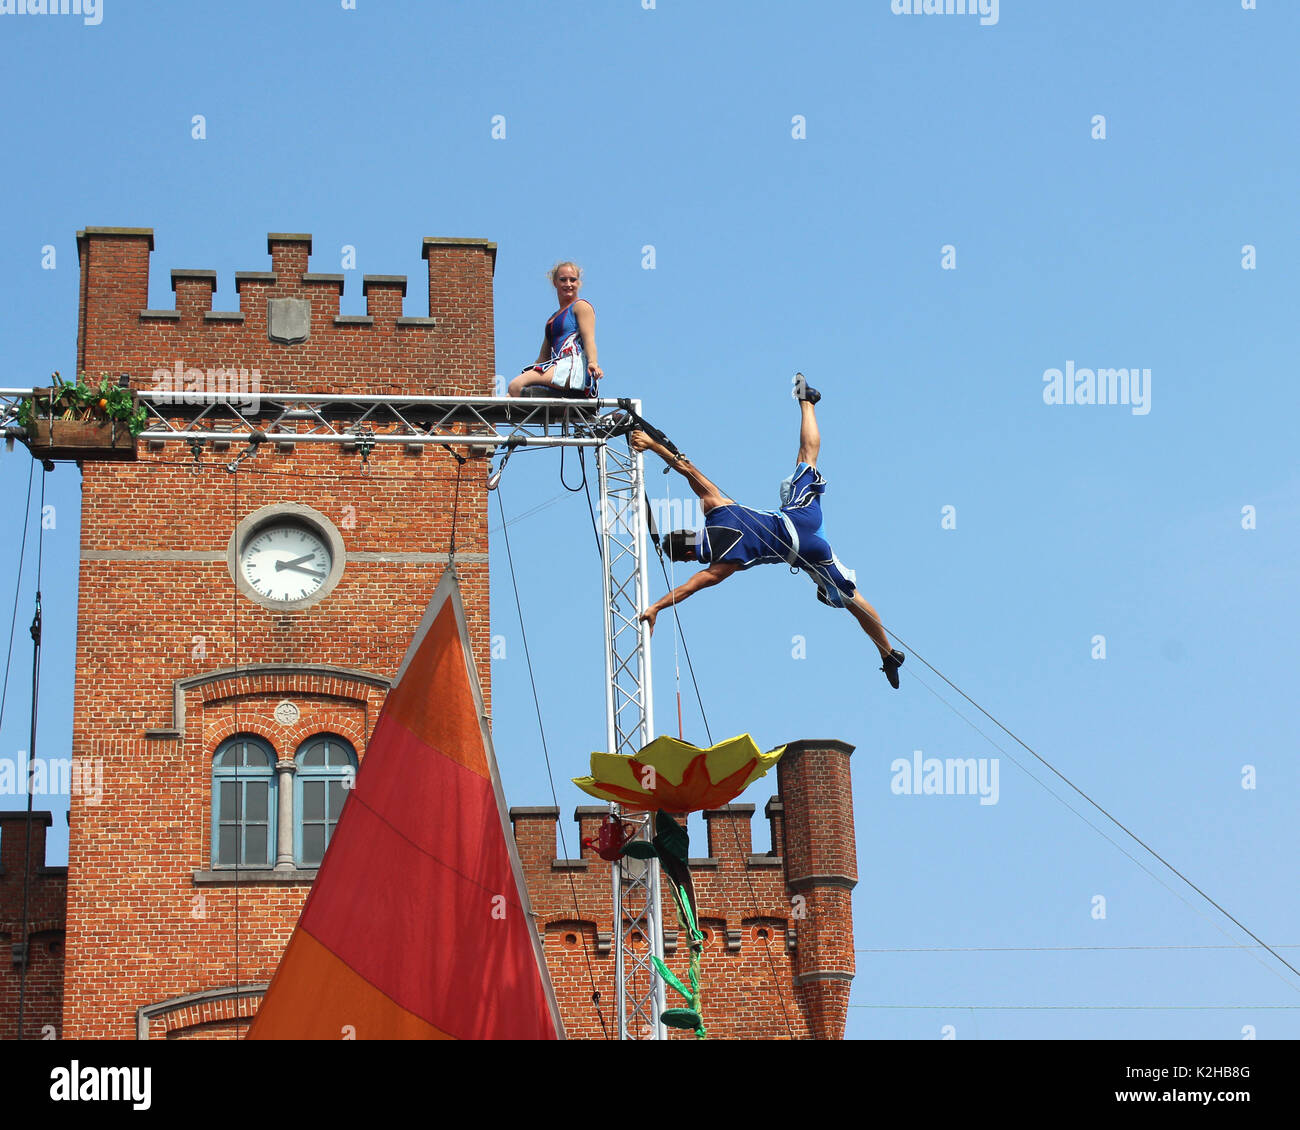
285, 561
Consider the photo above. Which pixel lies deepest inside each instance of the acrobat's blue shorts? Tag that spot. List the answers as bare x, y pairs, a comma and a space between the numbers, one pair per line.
802, 508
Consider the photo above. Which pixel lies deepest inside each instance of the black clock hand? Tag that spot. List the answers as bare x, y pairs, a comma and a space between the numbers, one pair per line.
295, 563
299, 569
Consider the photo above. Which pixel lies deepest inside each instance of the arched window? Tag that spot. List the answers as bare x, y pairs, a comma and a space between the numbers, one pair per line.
325, 768
243, 803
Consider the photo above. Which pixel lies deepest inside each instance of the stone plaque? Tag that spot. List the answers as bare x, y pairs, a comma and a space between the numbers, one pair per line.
288, 320
286, 713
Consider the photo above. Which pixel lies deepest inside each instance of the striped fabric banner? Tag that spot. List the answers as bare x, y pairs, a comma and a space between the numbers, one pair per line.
418, 925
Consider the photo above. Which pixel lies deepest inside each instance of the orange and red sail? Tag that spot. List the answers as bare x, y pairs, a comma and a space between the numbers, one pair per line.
418, 925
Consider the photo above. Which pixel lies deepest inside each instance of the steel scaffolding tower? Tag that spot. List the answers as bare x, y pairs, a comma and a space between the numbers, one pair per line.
233, 425
629, 721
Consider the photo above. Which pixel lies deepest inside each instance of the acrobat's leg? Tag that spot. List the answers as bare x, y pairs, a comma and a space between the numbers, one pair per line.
707, 492
526, 378
866, 616
810, 437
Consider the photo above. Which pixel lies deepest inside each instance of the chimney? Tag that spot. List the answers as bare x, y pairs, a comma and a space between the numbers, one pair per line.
821, 870
13, 843
114, 266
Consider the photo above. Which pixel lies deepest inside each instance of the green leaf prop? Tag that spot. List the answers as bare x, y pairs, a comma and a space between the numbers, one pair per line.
669, 976
670, 837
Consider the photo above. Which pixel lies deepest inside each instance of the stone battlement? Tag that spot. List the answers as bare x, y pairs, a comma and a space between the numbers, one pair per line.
288, 326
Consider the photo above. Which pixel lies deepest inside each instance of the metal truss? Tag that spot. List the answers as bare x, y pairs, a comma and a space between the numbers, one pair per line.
629, 724
256, 417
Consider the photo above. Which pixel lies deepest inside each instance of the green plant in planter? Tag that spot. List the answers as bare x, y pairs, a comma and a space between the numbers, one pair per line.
79, 400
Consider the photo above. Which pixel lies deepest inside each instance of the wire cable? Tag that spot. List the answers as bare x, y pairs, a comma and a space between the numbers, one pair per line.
17, 591
1113, 819
36, 631
1087, 1007
1198, 911
1048, 949
18, 586
239, 787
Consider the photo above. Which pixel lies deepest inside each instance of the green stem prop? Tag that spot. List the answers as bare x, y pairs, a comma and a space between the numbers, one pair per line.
670, 846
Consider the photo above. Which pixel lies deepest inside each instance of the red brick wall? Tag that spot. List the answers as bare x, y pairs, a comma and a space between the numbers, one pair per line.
47, 891
139, 929
747, 988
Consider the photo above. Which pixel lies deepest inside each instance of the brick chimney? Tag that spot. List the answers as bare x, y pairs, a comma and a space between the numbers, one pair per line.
114, 265
821, 871
13, 842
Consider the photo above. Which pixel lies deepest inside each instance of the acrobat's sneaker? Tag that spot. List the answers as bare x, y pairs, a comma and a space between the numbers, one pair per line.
804, 391
891, 665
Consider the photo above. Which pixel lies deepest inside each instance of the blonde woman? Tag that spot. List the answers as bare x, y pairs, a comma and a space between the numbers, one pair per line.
567, 360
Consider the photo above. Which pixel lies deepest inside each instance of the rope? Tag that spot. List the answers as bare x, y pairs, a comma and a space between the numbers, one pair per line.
1086, 1007
1118, 847
31, 760
1047, 949
591, 510
239, 787
1114, 820
455, 506
18, 585
677, 629
582, 464
573, 889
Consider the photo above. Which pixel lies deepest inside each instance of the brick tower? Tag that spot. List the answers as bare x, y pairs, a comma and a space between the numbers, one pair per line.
821, 866
160, 937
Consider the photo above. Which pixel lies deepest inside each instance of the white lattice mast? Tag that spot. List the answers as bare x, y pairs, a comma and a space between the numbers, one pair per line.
629, 721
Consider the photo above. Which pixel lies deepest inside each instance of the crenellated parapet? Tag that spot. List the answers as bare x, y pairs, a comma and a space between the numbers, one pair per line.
289, 328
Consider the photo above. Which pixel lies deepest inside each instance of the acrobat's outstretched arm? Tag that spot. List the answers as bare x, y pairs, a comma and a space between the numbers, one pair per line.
587, 329
704, 579
709, 494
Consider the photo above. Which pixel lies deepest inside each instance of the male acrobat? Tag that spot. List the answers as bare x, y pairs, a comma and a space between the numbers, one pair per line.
736, 537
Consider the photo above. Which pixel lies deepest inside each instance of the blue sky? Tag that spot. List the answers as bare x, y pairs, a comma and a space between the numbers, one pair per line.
672, 127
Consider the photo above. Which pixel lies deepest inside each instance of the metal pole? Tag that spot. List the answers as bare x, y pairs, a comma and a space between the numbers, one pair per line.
629, 724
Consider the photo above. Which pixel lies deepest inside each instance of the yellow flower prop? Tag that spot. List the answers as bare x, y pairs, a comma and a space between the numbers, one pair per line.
676, 776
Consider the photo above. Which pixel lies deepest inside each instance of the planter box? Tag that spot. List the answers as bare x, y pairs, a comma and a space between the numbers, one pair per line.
77, 439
